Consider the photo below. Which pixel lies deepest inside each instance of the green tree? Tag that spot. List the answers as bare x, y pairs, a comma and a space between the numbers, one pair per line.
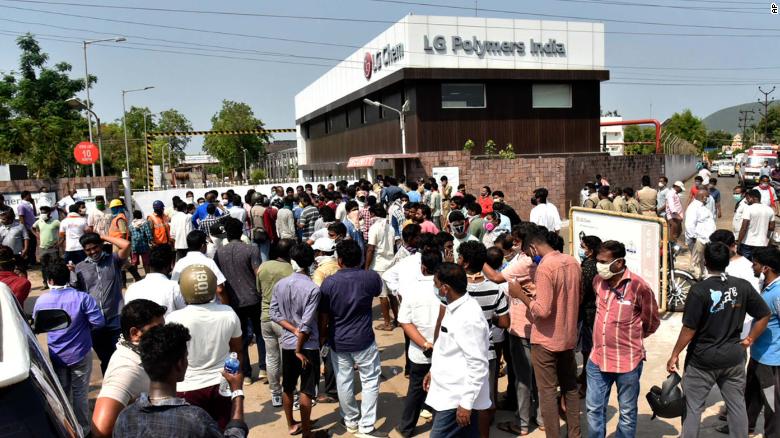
229, 149
718, 138
37, 128
687, 127
639, 140
770, 122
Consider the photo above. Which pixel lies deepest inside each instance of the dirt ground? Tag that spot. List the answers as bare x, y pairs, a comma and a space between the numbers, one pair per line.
264, 420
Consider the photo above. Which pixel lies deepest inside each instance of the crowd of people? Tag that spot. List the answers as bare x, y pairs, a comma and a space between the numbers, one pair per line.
478, 293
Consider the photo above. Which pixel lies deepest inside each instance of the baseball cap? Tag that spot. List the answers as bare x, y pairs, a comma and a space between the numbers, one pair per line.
158, 205
324, 244
116, 203
680, 185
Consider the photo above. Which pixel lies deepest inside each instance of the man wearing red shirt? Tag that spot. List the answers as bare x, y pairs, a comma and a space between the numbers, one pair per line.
485, 200
19, 285
626, 313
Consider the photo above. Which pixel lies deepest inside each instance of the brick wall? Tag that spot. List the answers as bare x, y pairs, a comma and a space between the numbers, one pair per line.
62, 185
563, 176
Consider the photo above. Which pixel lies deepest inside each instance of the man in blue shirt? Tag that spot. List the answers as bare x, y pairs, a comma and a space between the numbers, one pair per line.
70, 348
200, 212
352, 222
763, 370
294, 307
414, 195
100, 275
345, 305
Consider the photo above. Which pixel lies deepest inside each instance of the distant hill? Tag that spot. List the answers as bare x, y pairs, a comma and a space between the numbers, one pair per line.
727, 119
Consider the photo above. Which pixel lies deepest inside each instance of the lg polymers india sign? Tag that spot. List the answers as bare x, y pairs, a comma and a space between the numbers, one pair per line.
373, 61
478, 47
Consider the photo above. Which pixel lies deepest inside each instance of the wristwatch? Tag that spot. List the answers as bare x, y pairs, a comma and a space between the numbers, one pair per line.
236, 393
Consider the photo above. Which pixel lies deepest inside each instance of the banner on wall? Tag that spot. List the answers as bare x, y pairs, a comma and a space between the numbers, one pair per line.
452, 174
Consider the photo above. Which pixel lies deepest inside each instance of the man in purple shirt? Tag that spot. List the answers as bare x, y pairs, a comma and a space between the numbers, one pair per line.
26, 212
70, 348
294, 307
345, 302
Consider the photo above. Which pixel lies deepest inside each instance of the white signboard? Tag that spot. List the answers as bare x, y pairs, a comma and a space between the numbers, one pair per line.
452, 174
13, 199
642, 238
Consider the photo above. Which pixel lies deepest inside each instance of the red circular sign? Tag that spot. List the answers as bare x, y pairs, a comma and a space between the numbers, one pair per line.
86, 153
368, 65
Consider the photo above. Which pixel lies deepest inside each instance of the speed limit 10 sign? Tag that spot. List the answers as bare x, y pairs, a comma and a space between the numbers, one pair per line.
86, 153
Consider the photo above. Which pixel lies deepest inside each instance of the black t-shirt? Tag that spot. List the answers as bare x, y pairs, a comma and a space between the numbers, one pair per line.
716, 310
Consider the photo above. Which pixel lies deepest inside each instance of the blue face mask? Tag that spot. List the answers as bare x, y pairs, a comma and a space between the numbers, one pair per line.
737, 197
536, 259
581, 253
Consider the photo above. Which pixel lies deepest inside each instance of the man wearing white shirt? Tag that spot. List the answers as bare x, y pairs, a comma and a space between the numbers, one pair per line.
757, 225
699, 224
458, 384
740, 199
156, 286
419, 312
196, 255
545, 214
71, 229
380, 252
739, 266
705, 174
460, 232
181, 225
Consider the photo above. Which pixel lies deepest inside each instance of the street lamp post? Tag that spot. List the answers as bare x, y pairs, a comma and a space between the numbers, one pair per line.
404, 108
246, 177
89, 103
146, 155
126, 172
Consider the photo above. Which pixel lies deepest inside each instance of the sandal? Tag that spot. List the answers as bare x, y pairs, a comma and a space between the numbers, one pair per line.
511, 428
385, 327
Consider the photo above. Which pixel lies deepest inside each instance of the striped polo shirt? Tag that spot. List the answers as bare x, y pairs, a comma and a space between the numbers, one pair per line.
492, 301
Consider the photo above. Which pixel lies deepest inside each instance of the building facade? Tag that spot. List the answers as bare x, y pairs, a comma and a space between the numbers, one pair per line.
534, 85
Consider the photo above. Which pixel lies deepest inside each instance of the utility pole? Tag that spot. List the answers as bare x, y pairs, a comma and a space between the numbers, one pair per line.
745, 117
765, 113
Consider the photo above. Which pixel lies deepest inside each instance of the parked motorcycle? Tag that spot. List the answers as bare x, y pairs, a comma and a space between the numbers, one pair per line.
679, 281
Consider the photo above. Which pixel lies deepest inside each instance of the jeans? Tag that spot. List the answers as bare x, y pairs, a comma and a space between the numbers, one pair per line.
525, 384
762, 392
104, 343
415, 398
370, 369
597, 400
445, 426
265, 250
329, 386
250, 315
747, 251
272, 334
75, 382
697, 384
48, 255
553, 369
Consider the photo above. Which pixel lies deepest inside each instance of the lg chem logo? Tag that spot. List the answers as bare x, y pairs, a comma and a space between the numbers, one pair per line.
368, 65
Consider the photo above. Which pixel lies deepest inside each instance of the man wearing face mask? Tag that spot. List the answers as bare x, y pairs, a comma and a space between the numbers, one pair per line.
352, 222
768, 195
100, 275
475, 222
485, 200
119, 227
46, 231
459, 230
714, 314
71, 230
757, 225
14, 235
553, 300
604, 202
492, 230
626, 313
98, 220
663, 192
125, 378
544, 214
699, 224
70, 349
763, 370
647, 197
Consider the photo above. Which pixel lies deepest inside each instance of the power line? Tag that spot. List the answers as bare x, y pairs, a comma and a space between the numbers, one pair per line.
735, 10
765, 113
389, 22
572, 17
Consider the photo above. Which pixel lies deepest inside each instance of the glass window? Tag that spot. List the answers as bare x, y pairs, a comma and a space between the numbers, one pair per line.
463, 95
552, 95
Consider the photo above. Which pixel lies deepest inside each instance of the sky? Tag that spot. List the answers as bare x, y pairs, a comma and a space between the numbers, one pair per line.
658, 64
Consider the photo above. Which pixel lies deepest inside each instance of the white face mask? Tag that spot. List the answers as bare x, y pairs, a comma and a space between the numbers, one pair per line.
661, 185
604, 271
321, 260
190, 200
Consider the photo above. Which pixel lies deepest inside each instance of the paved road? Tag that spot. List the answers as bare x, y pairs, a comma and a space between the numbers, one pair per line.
265, 420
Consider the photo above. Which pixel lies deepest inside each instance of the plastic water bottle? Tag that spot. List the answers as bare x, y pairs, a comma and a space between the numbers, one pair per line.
232, 364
